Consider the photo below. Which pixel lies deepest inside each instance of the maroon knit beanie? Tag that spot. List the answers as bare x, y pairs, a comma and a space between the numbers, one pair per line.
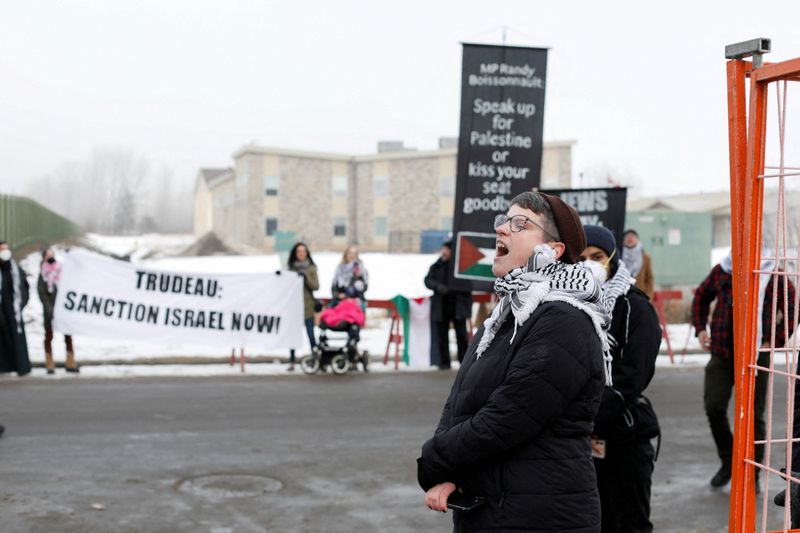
570, 228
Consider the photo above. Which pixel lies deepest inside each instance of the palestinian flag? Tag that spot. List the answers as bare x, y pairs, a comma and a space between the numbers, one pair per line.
416, 315
474, 255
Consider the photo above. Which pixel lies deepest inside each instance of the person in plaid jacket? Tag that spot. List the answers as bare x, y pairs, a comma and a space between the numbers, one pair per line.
719, 374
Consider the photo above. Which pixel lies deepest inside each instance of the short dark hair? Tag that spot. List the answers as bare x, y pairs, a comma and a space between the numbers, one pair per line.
533, 201
630, 230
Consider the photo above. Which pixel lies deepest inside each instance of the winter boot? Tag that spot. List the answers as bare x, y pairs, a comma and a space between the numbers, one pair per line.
49, 364
722, 477
71, 365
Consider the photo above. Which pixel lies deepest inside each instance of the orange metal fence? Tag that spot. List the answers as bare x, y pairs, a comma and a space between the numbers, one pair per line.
751, 85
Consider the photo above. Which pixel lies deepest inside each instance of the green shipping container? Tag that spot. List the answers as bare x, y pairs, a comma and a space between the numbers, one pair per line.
679, 244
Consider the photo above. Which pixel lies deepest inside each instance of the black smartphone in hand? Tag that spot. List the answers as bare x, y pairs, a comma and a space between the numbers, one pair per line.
458, 501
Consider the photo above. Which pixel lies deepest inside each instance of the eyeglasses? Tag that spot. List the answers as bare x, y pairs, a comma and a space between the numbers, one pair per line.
517, 223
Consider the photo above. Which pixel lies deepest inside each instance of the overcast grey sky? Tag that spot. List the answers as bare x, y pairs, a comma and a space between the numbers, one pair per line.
641, 88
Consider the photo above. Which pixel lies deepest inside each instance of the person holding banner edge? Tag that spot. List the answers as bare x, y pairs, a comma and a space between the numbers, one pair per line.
14, 293
300, 261
515, 430
47, 287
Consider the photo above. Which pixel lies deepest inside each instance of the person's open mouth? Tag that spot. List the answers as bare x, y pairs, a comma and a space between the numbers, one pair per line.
501, 249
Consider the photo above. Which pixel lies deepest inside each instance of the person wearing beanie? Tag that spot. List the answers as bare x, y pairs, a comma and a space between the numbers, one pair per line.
515, 430
448, 306
626, 422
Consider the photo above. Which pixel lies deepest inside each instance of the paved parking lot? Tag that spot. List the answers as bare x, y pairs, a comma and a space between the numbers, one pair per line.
284, 453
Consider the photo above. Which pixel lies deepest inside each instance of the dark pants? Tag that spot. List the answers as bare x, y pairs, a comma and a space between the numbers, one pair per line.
48, 341
718, 386
624, 481
311, 340
443, 338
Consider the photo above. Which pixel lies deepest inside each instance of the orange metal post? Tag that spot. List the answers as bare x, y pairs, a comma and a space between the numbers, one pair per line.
659, 297
746, 211
737, 140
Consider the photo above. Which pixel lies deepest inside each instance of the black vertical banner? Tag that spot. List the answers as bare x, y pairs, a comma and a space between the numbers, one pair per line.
598, 207
499, 149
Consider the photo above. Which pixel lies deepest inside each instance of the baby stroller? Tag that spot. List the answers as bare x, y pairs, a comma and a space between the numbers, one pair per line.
345, 318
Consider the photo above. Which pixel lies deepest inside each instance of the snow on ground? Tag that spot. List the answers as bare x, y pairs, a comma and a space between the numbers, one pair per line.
198, 370
390, 275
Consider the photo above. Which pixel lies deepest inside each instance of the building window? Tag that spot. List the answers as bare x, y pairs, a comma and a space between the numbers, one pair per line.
339, 185
380, 185
381, 228
446, 224
339, 227
447, 186
271, 185
272, 226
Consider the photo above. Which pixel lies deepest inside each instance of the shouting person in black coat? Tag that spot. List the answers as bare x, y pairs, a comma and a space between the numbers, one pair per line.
516, 427
448, 305
626, 422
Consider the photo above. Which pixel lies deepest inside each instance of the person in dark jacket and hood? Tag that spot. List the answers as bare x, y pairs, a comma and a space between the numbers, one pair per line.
516, 427
47, 286
626, 422
448, 305
14, 292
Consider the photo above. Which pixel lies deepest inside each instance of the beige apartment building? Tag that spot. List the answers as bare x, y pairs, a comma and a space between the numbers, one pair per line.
381, 202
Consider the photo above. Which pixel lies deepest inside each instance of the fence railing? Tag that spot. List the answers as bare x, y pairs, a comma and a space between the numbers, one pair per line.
24, 222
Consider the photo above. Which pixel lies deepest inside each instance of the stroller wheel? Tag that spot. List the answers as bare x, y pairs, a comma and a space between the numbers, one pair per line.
309, 364
340, 364
365, 360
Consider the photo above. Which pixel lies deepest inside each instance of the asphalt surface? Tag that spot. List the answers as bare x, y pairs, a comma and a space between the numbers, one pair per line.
293, 453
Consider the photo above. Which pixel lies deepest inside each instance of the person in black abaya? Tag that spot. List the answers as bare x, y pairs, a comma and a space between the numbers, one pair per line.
13, 298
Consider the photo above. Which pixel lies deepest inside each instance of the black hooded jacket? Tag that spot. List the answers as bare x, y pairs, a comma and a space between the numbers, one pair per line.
516, 427
635, 338
446, 303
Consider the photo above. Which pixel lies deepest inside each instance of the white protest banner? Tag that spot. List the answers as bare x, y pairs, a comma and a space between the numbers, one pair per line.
103, 297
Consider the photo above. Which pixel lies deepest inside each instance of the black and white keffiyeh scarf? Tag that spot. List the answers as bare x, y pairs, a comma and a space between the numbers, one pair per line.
16, 282
543, 279
617, 286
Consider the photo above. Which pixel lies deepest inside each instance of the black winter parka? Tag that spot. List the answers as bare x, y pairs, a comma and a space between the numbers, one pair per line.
446, 303
516, 427
635, 337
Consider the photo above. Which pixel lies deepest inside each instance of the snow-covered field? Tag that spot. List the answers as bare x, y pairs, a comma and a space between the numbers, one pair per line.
390, 275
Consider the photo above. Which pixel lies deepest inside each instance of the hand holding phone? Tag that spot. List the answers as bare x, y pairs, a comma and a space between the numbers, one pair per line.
458, 501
